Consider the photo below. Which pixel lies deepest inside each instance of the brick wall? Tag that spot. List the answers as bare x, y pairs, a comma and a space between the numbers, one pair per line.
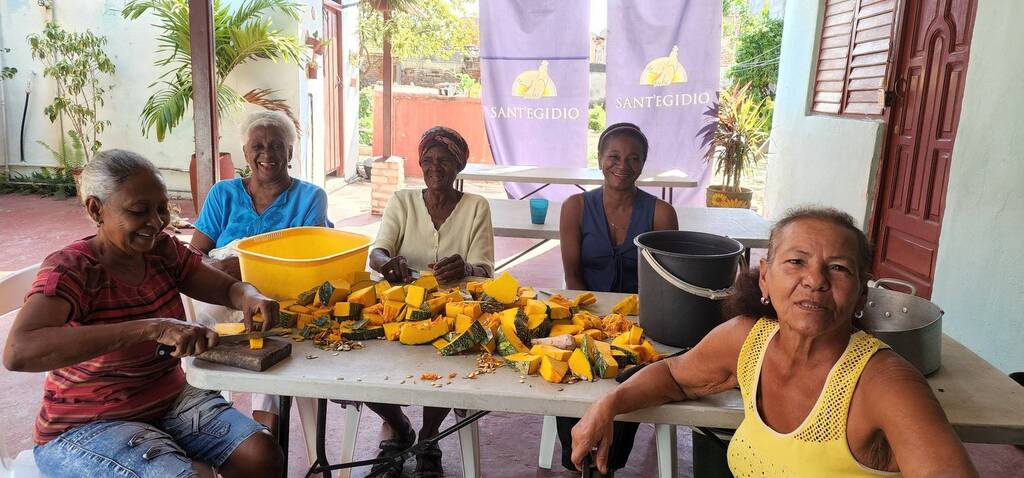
386, 177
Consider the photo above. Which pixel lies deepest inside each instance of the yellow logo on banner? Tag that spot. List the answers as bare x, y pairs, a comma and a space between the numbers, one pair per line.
664, 71
534, 84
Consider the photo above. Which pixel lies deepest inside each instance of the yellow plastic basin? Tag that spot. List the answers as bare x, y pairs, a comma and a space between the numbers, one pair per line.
281, 264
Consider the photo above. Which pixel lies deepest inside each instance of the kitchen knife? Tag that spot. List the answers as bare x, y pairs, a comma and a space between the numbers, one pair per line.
625, 374
164, 350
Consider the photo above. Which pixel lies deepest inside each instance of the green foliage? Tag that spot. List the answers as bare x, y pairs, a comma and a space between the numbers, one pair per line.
735, 135
596, 118
240, 36
77, 63
366, 116
70, 155
418, 28
243, 172
469, 86
7, 72
741, 7
757, 55
57, 182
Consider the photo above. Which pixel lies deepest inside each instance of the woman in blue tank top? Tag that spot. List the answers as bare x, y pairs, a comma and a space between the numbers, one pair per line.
598, 254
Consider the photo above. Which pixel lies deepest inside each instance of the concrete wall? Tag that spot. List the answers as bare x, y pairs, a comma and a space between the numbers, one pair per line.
832, 161
979, 279
132, 47
815, 158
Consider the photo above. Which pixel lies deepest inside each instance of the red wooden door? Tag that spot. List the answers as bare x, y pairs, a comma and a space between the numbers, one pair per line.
333, 69
931, 69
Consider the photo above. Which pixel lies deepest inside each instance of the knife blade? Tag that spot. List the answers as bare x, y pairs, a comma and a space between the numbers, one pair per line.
164, 350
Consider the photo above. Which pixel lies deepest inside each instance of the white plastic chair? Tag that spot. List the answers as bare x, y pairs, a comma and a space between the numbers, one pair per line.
665, 437
12, 294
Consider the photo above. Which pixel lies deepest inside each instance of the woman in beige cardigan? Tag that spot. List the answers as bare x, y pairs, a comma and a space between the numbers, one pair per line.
437, 229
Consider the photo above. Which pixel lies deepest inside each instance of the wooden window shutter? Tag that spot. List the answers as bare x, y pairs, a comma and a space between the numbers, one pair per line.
853, 57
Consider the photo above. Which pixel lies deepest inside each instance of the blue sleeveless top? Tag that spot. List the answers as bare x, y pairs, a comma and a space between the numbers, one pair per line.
609, 268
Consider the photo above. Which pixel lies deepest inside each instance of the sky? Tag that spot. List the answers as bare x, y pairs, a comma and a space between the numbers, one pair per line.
598, 13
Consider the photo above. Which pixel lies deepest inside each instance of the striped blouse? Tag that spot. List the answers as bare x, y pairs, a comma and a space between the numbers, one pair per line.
129, 384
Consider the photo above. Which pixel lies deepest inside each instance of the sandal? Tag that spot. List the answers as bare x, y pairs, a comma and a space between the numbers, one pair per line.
389, 448
428, 462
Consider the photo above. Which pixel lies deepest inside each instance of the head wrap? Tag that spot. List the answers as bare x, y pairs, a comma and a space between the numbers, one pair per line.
448, 139
627, 129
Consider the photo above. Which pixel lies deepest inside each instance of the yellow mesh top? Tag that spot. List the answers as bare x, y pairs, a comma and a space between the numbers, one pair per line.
818, 446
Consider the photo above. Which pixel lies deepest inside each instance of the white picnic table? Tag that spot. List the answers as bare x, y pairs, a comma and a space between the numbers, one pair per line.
511, 218
667, 180
982, 403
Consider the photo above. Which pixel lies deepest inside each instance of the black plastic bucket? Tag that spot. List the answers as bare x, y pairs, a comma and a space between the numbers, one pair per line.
681, 293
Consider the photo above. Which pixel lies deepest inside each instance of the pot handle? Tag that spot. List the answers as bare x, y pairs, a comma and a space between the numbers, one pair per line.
902, 283
713, 294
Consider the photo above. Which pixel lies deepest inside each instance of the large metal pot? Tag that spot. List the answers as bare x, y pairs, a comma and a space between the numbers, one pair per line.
912, 326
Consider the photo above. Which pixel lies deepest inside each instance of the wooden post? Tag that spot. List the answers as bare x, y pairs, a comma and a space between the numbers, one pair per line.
204, 96
386, 74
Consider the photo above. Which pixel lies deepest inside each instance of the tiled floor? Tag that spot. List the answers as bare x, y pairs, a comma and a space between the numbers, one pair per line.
31, 227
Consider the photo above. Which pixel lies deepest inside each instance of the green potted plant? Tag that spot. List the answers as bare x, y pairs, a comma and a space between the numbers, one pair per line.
242, 35
78, 65
735, 139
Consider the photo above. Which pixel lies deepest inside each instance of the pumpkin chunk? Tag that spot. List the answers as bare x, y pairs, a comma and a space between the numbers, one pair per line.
365, 297
580, 365
525, 363
553, 370
503, 289
423, 332
550, 351
230, 328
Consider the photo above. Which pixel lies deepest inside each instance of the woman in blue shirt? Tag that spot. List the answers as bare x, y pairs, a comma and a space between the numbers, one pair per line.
268, 200
598, 254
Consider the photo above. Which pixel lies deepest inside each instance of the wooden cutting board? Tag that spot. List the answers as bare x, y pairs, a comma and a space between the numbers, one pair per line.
238, 354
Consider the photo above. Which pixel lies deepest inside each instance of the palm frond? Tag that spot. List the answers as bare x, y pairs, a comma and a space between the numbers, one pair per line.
165, 108
256, 9
255, 41
262, 97
241, 35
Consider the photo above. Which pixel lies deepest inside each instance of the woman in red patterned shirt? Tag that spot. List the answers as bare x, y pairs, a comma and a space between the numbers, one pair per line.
93, 319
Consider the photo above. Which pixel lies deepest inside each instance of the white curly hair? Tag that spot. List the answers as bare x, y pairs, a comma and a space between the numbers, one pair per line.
269, 119
108, 170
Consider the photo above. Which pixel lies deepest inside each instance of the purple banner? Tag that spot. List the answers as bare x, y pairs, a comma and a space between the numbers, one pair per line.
534, 66
663, 73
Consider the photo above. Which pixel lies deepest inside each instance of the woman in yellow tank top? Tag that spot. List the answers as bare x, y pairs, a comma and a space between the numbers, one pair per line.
821, 399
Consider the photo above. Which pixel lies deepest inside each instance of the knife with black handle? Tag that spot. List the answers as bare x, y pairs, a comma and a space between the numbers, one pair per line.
164, 350
625, 374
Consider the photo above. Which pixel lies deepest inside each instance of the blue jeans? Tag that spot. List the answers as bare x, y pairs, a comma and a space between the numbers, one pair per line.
200, 426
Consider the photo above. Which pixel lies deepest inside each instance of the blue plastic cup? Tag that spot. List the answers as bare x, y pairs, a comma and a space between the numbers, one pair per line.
538, 210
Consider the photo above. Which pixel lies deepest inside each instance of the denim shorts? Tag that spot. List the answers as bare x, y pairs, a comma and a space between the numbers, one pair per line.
201, 426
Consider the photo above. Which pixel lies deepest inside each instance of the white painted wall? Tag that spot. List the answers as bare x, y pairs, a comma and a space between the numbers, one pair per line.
132, 48
979, 277
832, 161
815, 158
